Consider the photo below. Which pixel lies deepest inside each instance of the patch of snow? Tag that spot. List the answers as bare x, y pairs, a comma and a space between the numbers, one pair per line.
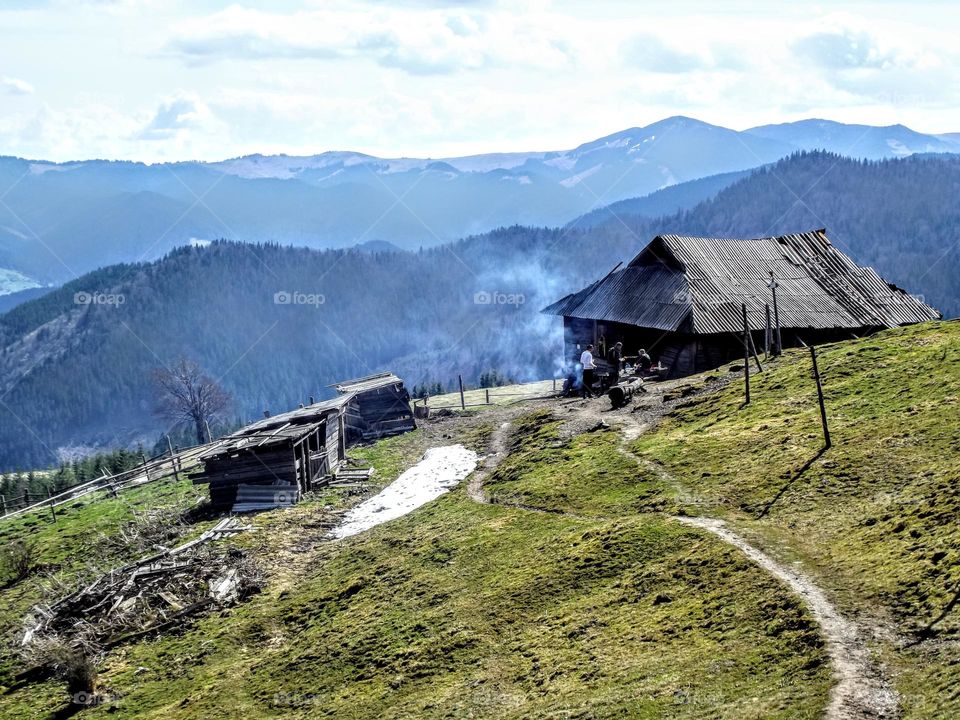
898, 148
668, 177
492, 161
519, 179
198, 242
564, 162
580, 177
12, 281
440, 470
43, 167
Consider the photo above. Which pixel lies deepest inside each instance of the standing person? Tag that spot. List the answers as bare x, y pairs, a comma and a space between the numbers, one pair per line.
586, 361
615, 356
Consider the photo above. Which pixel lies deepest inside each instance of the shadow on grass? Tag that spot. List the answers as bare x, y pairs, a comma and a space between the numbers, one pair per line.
796, 476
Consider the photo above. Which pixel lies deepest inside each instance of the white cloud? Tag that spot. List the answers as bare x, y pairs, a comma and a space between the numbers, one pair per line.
420, 42
16, 86
648, 52
436, 78
177, 115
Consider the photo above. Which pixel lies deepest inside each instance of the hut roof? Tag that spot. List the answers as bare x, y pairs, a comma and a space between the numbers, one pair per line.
370, 382
279, 429
697, 285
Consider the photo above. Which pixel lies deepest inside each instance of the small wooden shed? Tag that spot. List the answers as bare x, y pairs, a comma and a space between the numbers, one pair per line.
380, 407
275, 460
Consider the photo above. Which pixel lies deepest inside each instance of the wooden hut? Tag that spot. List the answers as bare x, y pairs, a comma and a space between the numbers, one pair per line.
681, 299
274, 461
380, 407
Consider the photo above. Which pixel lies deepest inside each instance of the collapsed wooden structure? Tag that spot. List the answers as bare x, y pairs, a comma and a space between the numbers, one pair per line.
681, 298
274, 461
380, 407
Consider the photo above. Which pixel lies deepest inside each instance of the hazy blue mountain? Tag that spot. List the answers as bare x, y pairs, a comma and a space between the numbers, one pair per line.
859, 141
668, 201
76, 371
59, 221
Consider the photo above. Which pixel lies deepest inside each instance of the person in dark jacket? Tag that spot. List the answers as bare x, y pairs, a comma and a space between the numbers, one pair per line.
615, 358
644, 361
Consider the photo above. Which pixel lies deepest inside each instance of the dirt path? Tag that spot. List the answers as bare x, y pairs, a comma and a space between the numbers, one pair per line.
498, 450
861, 690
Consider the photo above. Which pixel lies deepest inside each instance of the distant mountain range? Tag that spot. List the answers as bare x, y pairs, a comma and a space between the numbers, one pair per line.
58, 221
74, 369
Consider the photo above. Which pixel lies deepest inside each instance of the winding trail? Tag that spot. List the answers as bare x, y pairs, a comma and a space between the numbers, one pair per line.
861, 691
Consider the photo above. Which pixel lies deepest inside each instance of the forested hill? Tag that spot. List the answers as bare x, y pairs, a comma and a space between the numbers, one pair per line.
278, 324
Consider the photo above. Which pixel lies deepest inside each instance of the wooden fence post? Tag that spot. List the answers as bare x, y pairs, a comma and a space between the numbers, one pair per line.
768, 337
52, 510
463, 404
823, 407
173, 460
746, 357
753, 348
778, 340
3, 499
488, 396
210, 434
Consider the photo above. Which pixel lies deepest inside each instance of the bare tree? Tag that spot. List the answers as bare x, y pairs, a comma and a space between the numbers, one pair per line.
188, 395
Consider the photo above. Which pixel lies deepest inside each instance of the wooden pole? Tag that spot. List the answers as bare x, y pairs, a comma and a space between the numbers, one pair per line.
210, 434
768, 337
463, 404
823, 407
749, 332
173, 459
778, 340
488, 396
3, 499
746, 357
52, 511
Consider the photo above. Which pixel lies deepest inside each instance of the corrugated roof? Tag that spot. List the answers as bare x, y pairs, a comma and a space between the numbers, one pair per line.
694, 284
281, 428
370, 382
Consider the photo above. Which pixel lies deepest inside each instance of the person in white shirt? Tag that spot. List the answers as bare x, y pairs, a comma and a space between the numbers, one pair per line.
586, 360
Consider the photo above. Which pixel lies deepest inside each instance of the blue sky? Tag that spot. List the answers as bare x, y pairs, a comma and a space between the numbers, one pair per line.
151, 80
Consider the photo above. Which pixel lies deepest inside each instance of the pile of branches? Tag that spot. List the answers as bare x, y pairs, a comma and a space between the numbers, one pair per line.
147, 596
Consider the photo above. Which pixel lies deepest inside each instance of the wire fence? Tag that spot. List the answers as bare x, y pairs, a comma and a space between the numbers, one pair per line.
170, 464
482, 397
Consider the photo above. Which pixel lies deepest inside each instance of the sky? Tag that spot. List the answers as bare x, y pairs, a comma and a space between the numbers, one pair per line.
156, 81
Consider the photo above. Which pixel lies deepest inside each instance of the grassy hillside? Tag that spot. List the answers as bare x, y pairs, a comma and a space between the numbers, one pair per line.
876, 516
574, 593
469, 610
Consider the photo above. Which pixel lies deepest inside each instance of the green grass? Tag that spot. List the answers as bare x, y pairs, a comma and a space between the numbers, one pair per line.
875, 517
468, 610
585, 475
